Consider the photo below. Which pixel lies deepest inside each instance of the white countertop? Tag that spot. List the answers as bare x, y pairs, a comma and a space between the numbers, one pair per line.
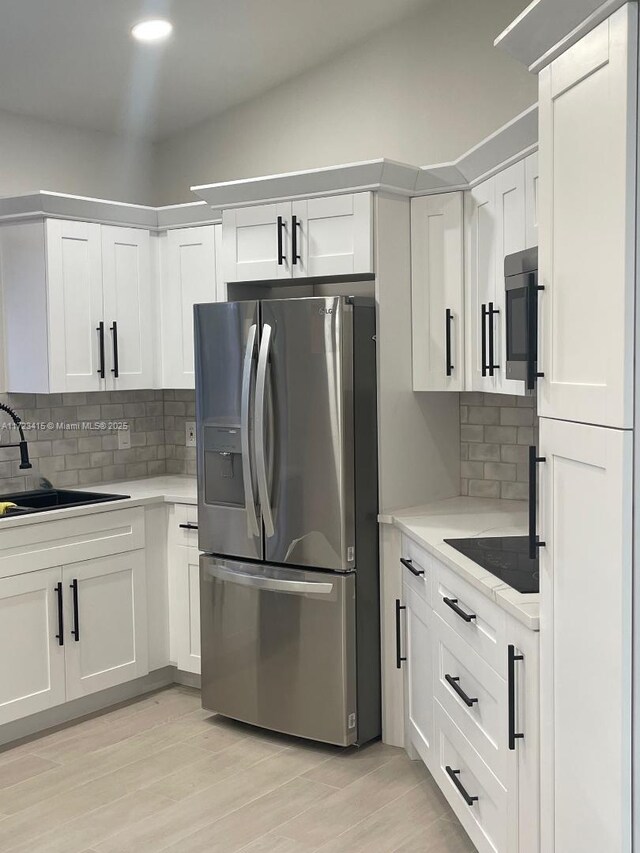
163, 489
459, 518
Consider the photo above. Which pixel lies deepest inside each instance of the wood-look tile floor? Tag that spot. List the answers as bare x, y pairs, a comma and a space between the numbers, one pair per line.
161, 774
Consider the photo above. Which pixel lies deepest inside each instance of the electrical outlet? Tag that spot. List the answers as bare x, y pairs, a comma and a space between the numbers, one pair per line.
190, 433
124, 439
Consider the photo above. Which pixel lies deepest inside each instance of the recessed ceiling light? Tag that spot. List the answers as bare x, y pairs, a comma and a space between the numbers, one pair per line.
156, 30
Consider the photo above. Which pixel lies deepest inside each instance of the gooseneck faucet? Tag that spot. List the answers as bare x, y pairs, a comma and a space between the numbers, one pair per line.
22, 444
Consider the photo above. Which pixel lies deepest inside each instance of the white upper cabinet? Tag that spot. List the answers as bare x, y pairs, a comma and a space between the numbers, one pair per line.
501, 218
188, 261
78, 307
314, 237
332, 236
586, 599
587, 226
437, 292
128, 306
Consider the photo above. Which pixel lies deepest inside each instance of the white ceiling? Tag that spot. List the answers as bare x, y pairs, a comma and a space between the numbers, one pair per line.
74, 61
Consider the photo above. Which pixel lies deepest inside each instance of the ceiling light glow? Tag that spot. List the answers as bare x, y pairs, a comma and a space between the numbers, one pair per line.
155, 30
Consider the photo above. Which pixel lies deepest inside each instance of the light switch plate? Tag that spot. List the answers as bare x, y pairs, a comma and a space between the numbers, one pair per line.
124, 439
190, 433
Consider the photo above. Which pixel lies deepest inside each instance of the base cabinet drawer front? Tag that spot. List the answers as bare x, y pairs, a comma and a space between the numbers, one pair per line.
418, 569
106, 611
481, 803
419, 673
473, 617
184, 525
475, 697
32, 662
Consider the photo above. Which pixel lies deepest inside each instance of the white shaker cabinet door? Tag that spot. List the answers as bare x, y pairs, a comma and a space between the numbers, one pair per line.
32, 662
74, 278
437, 292
587, 226
186, 608
332, 235
188, 278
586, 596
419, 705
128, 308
256, 242
531, 175
106, 610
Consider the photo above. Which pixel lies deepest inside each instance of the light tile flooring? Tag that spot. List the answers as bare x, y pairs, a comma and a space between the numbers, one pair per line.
161, 774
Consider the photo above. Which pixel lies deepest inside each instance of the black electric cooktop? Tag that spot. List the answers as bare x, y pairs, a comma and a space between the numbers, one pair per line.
506, 557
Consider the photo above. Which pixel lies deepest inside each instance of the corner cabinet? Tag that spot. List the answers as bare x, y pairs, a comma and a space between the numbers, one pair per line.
588, 139
189, 260
326, 236
78, 307
471, 702
437, 293
500, 219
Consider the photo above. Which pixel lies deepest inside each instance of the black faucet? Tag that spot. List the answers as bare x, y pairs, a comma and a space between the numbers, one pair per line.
22, 444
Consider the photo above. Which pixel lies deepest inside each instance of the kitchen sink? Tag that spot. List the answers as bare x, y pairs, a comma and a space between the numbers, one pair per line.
47, 499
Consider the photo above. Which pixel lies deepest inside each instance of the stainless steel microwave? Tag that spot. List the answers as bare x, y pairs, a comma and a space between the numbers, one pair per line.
521, 285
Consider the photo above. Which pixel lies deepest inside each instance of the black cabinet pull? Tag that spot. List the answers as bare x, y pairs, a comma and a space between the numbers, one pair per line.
453, 682
532, 331
409, 565
483, 330
114, 331
492, 366
448, 322
453, 604
189, 526
295, 225
513, 735
76, 621
453, 775
399, 657
100, 331
534, 542
281, 255
60, 635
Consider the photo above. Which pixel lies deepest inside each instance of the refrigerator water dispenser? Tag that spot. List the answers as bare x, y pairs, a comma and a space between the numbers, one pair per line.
223, 480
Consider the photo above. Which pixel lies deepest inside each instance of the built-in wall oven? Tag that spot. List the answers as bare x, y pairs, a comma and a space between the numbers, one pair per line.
521, 284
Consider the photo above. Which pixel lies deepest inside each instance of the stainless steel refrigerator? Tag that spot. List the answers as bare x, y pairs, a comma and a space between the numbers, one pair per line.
287, 503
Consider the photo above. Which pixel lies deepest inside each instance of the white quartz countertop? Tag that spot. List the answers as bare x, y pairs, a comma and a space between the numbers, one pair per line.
460, 518
164, 489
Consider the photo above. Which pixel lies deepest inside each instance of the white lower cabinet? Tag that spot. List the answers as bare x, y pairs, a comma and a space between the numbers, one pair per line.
471, 703
184, 589
32, 664
106, 625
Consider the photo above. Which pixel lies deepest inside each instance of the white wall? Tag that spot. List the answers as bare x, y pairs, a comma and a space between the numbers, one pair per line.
423, 91
43, 155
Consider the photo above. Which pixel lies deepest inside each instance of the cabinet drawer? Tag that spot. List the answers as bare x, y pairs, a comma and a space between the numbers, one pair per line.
185, 525
420, 561
486, 819
462, 676
472, 616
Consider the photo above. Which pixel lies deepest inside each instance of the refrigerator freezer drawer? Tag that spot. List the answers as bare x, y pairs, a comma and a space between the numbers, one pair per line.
279, 648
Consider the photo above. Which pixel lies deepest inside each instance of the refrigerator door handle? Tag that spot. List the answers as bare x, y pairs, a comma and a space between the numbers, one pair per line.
247, 475
268, 583
259, 434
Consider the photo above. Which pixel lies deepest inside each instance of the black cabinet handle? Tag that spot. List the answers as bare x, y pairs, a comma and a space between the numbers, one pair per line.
453, 775
483, 330
399, 657
188, 526
76, 621
453, 682
453, 604
448, 322
513, 735
60, 634
532, 332
114, 331
409, 565
295, 225
281, 255
100, 331
534, 542
492, 366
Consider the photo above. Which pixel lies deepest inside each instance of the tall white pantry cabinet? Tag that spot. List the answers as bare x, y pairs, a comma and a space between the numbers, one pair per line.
588, 233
